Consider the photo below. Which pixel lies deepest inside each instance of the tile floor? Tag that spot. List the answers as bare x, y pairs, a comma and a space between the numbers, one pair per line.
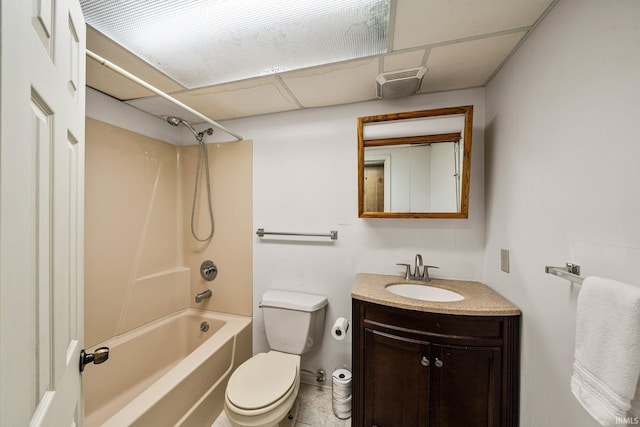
315, 409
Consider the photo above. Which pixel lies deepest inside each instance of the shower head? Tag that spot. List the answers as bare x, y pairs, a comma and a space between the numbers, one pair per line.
177, 121
174, 121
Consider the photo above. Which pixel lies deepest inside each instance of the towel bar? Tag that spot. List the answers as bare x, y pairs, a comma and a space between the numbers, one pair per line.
333, 234
570, 272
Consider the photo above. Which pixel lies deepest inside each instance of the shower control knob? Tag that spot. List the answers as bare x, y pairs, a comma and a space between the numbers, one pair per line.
424, 361
438, 363
208, 270
101, 355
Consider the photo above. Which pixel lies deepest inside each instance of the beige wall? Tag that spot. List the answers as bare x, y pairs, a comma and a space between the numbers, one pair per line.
231, 248
141, 262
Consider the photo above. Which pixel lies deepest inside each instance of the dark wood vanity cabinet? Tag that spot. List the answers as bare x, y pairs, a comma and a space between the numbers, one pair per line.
414, 369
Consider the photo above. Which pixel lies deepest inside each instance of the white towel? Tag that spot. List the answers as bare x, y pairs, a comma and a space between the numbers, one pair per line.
607, 355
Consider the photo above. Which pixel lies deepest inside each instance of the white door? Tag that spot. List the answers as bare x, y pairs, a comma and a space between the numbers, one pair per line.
42, 101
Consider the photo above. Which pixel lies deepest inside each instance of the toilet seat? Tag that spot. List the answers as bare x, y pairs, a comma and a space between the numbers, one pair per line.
262, 383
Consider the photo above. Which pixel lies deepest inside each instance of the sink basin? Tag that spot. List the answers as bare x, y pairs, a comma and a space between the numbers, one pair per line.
424, 292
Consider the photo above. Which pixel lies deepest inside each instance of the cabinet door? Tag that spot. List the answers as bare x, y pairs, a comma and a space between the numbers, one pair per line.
465, 386
396, 381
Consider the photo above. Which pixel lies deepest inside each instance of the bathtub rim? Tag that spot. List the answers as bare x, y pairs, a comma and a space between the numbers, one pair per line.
132, 333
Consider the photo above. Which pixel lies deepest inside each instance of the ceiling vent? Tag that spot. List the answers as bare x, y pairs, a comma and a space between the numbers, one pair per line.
400, 83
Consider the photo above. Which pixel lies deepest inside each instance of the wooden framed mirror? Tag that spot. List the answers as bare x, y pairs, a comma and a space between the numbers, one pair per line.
415, 164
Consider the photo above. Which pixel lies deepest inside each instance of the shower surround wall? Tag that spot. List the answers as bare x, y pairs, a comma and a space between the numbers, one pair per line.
230, 167
141, 262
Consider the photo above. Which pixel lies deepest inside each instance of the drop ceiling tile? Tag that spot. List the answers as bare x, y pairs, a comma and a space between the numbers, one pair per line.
403, 60
467, 64
245, 98
107, 81
335, 84
433, 26
205, 43
426, 22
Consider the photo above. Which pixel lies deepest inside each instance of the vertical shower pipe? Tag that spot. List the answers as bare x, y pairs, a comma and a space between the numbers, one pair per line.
158, 92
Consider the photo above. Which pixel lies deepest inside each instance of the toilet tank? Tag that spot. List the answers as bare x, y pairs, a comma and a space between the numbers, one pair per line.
293, 321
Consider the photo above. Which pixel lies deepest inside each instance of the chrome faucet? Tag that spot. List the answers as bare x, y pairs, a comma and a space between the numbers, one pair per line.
417, 265
420, 271
203, 296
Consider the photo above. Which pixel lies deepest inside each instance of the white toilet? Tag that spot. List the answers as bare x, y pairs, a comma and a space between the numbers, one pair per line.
262, 391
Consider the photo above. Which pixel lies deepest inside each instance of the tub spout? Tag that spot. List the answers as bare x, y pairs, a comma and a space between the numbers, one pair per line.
203, 296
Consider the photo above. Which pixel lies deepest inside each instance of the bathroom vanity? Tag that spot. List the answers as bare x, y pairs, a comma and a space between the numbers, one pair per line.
438, 364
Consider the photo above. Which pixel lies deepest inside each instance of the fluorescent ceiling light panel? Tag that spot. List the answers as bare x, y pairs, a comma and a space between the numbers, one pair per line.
200, 43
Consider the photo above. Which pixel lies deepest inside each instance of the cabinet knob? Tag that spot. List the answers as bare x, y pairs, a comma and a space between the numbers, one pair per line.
424, 361
438, 363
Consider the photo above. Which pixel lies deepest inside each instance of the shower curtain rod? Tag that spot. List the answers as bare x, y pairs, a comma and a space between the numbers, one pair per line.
157, 91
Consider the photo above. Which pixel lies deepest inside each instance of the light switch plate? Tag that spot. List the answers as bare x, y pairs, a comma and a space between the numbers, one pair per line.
504, 260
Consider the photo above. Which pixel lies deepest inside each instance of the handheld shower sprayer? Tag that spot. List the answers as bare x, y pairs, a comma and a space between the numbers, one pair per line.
202, 152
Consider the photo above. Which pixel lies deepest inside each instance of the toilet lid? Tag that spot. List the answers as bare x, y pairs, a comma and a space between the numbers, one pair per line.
261, 380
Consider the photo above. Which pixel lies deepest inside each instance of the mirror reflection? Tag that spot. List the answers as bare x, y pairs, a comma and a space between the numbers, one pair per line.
415, 164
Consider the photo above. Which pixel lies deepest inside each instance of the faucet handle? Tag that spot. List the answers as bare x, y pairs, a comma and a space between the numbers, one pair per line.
407, 271
426, 271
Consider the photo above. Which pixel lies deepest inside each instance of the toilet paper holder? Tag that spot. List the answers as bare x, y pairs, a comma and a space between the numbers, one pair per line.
340, 328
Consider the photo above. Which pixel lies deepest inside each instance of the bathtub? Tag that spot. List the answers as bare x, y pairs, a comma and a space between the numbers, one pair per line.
167, 372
